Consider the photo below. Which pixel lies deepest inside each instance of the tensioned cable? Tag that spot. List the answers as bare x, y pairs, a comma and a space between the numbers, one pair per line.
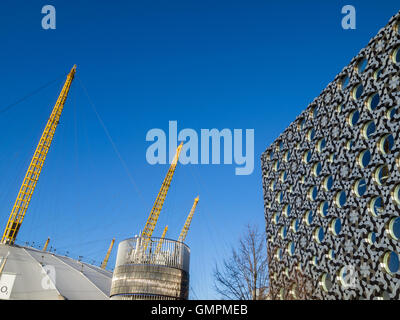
112, 143
5, 109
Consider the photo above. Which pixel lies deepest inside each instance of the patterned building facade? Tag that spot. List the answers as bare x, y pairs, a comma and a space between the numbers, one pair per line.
332, 185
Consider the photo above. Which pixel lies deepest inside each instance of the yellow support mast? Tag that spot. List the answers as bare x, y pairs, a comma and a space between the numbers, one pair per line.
185, 228
31, 178
158, 204
161, 240
105, 261
46, 244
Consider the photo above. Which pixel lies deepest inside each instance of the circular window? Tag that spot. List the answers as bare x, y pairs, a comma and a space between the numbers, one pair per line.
396, 194
286, 210
391, 262
391, 113
364, 158
317, 168
339, 108
376, 206
323, 208
373, 101
396, 55
307, 157
295, 225
287, 156
271, 155
313, 112
331, 254
394, 228
314, 261
349, 144
345, 276
291, 248
279, 146
275, 218
360, 187
321, 144
340, 199
283, 176
357, 91
308, 217
377, 74
326, 282
353, 118
279, 197
371, 239
381, 174
361, 65
272, 185
276, 165
312, 193
332, 157
311, 134
319, 234
386, 144
344, 82
300, 124
283, 233
335, 226
368, 129
328, 183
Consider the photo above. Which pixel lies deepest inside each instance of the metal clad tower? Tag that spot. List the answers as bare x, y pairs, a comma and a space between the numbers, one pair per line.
153, 272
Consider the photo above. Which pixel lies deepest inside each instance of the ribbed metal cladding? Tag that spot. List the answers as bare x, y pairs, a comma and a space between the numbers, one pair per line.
159, 272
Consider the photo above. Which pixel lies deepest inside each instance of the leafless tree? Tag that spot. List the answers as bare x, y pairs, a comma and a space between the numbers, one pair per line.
244, 275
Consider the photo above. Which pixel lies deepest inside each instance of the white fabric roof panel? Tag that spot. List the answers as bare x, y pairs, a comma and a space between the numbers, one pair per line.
30, 274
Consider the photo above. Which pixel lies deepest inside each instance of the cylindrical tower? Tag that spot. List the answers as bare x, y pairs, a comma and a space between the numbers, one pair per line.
157, 270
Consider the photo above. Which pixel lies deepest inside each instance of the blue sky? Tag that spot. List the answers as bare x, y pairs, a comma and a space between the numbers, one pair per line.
206, 64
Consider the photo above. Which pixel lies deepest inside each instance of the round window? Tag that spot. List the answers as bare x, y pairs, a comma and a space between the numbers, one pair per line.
381, 174
286, 210
275, 218
344, 82
326, 282
319, 234
272, 185
335, 226
291, 248
364, 158
317, 168
313, 112
391, 262
396, 55
295, 225
360, 187
307, 157
357, 91
353, 118
276, 165
315, 261
279, 254
377, 74
301, 124
368, 129
391, 113
283, 176
396, 194
312, 193
331, 254
373, 101
308, 217
283, 233
311, 134
371, 239
340, 199
321, 144
361, 65
394, 228
287, 156
323, 208
279, 197
328, 183
386, 144
376, 206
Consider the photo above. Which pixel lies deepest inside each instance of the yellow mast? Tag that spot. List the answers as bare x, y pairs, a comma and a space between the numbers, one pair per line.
161, 240
31, 178
46, 244
185, 228
158, 204
105, 261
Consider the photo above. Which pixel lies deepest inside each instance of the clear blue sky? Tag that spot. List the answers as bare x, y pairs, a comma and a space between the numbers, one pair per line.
207, 64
